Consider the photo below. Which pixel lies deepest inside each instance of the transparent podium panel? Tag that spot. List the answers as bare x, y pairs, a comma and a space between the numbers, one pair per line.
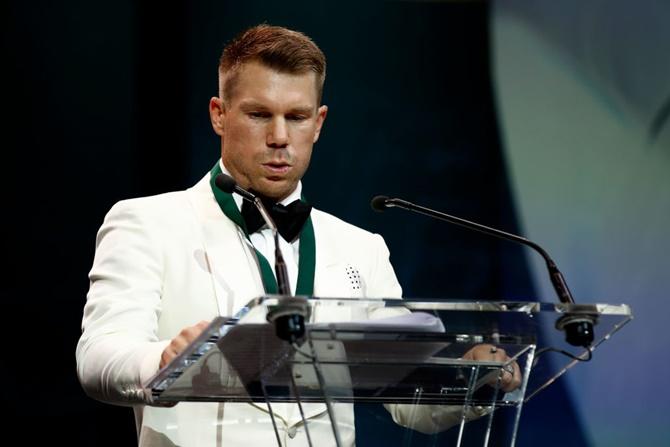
407, 360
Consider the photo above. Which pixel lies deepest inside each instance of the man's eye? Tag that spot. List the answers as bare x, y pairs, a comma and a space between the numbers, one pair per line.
259, 114
296, 117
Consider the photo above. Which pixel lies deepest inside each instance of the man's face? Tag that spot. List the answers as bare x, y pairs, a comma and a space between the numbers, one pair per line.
268, 127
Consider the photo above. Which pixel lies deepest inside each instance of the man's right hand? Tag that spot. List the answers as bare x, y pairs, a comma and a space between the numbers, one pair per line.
177, 345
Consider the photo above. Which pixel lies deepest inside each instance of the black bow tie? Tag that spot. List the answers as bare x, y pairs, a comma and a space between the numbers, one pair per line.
289, 219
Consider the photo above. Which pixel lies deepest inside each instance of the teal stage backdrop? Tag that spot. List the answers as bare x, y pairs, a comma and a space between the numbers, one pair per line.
583, 95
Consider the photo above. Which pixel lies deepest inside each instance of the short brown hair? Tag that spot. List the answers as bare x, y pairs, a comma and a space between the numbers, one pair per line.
276, 47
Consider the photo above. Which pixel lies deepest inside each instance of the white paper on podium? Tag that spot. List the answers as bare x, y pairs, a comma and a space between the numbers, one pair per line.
411, 322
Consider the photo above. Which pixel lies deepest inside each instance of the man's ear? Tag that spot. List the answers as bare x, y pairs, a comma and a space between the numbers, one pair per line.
320, 118
217, 114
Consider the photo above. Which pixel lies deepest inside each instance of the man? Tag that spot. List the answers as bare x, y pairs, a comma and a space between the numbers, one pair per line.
167, 262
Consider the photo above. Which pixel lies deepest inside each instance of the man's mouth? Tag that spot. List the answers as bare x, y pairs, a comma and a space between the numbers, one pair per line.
277, 167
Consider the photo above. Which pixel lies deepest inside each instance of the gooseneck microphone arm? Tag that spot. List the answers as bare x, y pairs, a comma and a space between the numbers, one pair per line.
578, 327
227, 184
380, 203
283, 283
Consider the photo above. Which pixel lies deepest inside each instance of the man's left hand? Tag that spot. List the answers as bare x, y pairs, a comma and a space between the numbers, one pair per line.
511, 374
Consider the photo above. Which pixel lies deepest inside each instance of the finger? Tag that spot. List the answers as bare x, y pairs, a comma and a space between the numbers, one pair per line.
203, 324
480, 352
179, 343
176, 347
511, 377
191, 333
519, 374
167, 356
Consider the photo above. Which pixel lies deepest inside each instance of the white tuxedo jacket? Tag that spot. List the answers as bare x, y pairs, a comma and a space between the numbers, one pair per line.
166, 262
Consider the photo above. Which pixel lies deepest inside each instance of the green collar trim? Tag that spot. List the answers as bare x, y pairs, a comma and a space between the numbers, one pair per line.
307, 250
307, 261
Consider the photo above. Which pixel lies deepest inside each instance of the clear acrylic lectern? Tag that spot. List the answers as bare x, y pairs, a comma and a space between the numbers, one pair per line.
405, 354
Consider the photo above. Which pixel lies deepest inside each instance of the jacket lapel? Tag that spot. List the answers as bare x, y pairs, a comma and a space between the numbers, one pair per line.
230, 259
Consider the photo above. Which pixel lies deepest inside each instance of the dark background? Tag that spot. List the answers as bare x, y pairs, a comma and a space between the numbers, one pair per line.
108, 100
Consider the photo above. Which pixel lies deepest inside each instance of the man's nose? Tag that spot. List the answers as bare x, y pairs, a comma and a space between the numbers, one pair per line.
277, 136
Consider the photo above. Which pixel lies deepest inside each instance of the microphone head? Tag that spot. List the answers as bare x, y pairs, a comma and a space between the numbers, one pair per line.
378, 203
225, 183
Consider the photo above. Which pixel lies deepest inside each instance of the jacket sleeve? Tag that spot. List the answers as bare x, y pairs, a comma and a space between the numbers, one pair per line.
119, 349
432, 419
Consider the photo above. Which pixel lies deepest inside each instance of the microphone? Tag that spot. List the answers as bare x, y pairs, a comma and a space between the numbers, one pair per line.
290, 326
228, 184
578, 327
